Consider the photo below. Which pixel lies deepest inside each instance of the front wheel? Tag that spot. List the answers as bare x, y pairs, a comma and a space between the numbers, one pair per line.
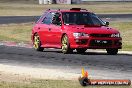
112, 51
65, 45
37, 43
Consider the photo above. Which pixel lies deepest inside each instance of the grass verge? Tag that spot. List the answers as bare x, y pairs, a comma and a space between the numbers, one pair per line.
16, 32
26, 7
51, 84
22, 32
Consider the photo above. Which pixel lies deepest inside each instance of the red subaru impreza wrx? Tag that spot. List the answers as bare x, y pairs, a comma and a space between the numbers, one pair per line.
74, 29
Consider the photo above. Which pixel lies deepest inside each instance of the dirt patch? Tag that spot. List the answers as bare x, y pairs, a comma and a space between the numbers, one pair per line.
25, 74
11, 77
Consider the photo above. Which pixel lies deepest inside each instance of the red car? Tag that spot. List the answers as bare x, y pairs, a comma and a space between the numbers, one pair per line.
74, 29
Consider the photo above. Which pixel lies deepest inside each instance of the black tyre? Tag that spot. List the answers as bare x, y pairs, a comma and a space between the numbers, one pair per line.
37, 43
84, 81
65, 45
82, 50
112, 51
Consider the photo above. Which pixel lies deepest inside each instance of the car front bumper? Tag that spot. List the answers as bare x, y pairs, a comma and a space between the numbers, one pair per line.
96, 43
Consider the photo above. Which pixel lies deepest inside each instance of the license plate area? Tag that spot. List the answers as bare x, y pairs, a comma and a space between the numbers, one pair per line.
101, 43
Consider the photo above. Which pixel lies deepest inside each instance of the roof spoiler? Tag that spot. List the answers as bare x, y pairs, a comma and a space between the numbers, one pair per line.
78, 9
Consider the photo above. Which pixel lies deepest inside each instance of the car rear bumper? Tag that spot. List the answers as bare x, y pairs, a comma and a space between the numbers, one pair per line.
96, 43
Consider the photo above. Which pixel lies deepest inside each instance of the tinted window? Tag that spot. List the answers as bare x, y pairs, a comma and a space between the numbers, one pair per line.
81, 18
56, 19
48, 18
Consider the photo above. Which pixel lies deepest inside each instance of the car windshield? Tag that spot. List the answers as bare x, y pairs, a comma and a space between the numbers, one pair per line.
81, 18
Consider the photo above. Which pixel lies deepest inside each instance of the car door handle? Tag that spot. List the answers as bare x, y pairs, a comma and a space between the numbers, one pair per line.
49, 29
38, 27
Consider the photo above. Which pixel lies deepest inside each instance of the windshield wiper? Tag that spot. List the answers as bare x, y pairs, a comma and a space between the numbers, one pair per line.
92, 25
70, 24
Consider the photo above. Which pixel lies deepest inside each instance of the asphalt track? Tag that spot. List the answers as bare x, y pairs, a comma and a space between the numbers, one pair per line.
113, 66
24, 19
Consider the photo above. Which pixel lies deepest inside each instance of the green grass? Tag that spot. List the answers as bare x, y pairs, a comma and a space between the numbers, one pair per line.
51, 84
16, 32
22, 33
24, 7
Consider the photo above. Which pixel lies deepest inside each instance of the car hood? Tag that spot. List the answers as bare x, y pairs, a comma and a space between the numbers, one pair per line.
91, 30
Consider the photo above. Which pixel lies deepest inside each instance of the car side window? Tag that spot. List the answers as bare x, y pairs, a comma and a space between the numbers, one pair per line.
56, 19
48, 18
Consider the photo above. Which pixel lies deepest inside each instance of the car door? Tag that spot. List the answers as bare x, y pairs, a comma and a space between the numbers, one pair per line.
55, 31
44, 28
55, 35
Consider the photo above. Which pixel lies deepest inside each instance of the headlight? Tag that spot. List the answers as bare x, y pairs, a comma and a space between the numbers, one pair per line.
115, 35
77, 35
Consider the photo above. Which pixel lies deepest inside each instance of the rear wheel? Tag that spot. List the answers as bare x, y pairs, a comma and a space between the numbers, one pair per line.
81, 50
65, 45
112, 51
37, 43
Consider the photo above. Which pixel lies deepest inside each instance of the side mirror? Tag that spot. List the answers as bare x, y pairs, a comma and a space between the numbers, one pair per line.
107, 23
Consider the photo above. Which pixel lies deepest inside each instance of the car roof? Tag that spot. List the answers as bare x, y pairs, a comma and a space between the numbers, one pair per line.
68, 10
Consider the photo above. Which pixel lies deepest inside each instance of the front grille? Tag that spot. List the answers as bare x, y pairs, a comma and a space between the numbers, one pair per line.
101, 43
100, 35
83, 41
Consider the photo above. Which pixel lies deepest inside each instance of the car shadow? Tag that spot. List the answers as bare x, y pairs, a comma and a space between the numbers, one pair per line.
86, 53
100, 53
